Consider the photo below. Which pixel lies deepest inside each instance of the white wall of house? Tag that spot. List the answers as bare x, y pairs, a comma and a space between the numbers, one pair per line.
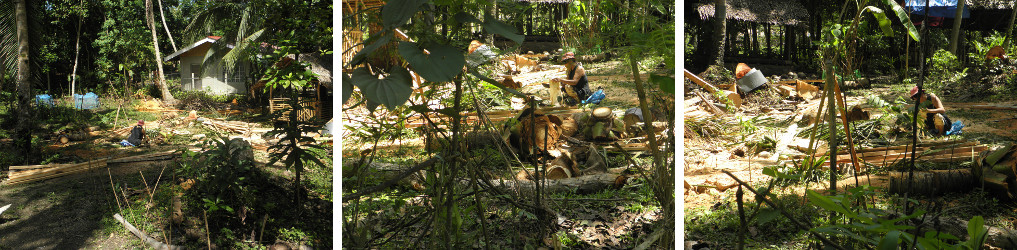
213, 81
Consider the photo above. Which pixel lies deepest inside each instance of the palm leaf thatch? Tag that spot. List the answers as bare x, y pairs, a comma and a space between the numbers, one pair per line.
242, 38
779, 12
9, 39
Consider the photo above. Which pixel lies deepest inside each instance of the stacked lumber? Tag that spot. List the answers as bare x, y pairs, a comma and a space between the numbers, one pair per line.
34, 173
984, 106
38, 173
228, 126
949, 151
146, 157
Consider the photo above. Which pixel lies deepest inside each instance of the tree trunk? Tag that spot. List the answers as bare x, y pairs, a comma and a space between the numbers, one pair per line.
491, 9
769, 50
958, 16
755, 39
77, 50
167, 97
23, 129
719, 32
1013, 17
162, 15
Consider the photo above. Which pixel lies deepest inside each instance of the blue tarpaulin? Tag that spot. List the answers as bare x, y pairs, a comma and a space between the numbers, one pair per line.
937, 8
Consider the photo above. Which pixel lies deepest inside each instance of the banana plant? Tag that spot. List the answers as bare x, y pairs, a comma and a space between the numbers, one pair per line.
846, 36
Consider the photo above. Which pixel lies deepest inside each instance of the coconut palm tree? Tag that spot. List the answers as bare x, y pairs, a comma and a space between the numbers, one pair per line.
243, 34
19, 31
167, 97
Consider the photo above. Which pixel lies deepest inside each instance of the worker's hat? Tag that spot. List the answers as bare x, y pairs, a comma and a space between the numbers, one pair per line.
913, 93
567, 56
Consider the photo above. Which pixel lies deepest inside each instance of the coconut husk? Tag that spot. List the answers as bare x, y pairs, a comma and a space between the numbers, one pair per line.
569, 126
542, 134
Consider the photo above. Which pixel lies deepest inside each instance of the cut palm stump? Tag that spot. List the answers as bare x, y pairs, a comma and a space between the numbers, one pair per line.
34, 173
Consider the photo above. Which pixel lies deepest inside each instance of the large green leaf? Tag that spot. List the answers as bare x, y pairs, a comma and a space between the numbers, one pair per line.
884, 23
390, 91
976, 232
766, 215
347, 87
397, 12
464, 17
890, 241
493, 25
825, 202
903, 16
666, 83
379, 40
441, 65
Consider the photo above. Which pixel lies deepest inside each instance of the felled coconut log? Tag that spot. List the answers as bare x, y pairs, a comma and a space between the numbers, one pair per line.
388, 171
587, 184
583, 184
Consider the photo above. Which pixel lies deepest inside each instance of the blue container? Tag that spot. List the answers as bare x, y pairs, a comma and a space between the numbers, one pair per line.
88, 101
44, 100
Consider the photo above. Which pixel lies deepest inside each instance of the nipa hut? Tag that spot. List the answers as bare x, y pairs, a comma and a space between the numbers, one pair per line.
782, 25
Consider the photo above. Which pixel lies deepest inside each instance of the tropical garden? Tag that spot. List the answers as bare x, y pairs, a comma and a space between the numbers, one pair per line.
455, 137
881, 124
243, 161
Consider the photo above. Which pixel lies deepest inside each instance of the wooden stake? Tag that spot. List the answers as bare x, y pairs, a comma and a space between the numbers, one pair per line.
208, 234
114, 189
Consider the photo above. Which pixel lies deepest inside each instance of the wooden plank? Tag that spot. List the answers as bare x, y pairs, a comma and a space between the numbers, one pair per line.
59, 172
956, 157
145, 157
31, 167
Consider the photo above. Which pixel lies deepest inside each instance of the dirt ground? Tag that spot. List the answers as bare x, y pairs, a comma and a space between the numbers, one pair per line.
71, 212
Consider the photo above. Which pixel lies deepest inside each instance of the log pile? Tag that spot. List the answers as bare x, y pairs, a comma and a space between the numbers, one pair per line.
228, 126
38, 173
948, 151
34, 173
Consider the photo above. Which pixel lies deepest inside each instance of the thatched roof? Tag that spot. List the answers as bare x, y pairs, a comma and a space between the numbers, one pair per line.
779, 12
546, 1
990, 4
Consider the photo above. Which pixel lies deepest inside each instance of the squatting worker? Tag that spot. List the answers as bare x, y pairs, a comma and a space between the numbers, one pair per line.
137, 135
934, 112
575, 78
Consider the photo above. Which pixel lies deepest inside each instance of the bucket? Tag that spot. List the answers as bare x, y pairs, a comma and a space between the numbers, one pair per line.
751, 81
